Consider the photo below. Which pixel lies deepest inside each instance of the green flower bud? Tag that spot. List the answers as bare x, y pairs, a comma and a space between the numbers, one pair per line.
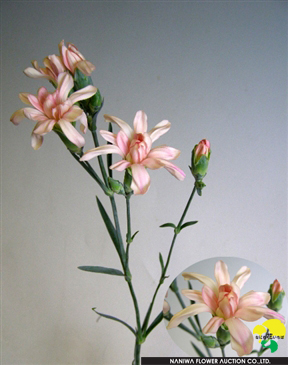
277, 294
210, 341
223, 335
200, 159
116, 186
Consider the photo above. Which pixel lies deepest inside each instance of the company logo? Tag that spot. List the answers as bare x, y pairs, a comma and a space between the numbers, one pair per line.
269, 331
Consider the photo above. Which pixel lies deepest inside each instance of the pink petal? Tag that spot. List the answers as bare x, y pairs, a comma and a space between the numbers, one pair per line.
34, 114
151, 163
18, 116
241, 336
195, 295
35, 74
83, 94
36, 141
203, 279
42, 94
120, 166
174, 170
108, 136
123, 142
45, 127
253, 298
71, 133
85, 67
160, 129
140, 122
140, 179
221, 273
24, 97
102, 150
83, 120
35, 102
189, 311
72, 114
164, 152
65, 84
242, 276
213, 325
251, 314
209, 297
123, 125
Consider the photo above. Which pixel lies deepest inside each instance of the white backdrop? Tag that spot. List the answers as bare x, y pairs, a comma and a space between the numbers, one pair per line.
215, 70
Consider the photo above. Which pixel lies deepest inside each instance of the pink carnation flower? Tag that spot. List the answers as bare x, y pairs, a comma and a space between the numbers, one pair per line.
55, 108
222, 299
134, 146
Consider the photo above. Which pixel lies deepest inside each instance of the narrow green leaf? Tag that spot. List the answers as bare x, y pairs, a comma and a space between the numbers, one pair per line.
199, 352
116, 319
132, 238
187, 224
155, 323
110, 228
101, 270
168, 225
161, 261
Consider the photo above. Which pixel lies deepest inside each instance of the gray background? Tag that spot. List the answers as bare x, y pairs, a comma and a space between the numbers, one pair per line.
215, 70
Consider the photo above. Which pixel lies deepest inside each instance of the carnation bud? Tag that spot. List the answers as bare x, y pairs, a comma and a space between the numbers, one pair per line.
199, 163
166, 307
116, 186
210, 341
277, 294
200, 159
223, 335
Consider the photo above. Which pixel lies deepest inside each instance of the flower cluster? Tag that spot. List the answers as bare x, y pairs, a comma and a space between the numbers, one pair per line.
69, 60
222, 299
57, 110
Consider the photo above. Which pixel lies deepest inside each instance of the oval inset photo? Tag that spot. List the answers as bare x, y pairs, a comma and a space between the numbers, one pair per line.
227, 307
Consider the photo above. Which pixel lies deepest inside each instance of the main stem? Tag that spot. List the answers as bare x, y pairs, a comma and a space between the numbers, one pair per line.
163, 275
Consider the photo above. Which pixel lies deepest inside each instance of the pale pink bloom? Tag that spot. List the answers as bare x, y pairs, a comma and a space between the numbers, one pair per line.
203, 148
222, 299
73, 59
134, 146
54, 66
55, 108
166, 307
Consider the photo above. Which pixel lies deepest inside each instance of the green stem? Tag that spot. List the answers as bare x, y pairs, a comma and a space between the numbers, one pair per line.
163, 275
223, 351
100, 160
189, 319
92, 173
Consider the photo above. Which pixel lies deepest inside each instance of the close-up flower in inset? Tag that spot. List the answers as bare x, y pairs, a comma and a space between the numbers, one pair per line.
55, 110
134, 146
222, 299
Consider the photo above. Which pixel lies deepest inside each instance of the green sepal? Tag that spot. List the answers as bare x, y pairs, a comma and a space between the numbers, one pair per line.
81, 80
116, 319
101, 270
168, 225
199, 352
223, 335
210, 341
111, 229
199, 185
116, 186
